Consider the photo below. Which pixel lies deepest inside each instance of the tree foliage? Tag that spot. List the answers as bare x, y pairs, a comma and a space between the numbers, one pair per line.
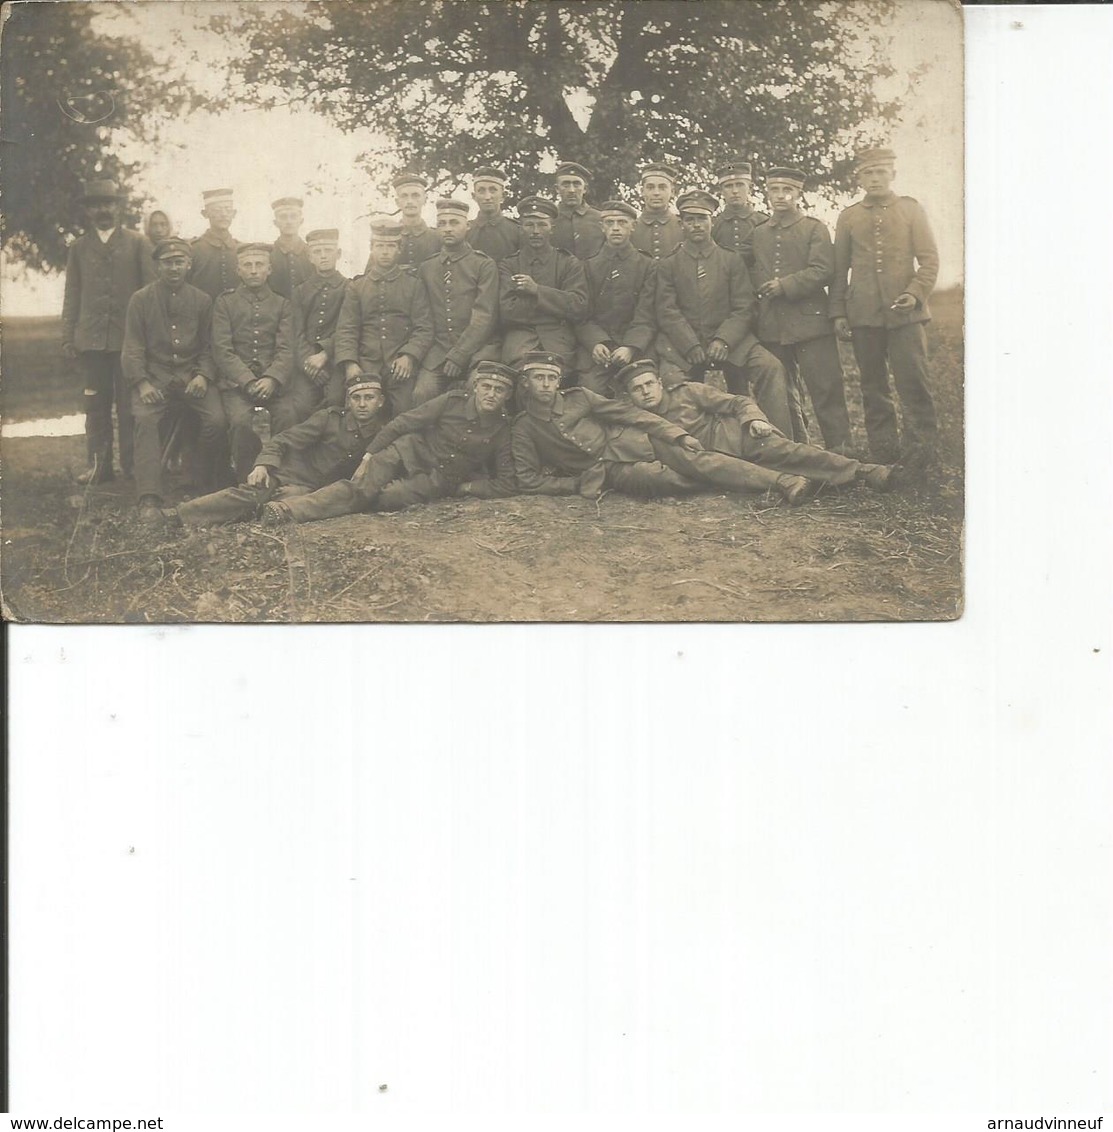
611, 84
69, 94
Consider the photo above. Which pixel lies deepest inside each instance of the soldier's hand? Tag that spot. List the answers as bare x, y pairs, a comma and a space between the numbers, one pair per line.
150, 394
690, 443
524, 283
259, 477
697, 356
452, 370
402, 367
264, 388
360, 474
600, 355
761, 428
842, 329
315, 364
623, 356
771, 289
717, 351
69, 351
905, 302
198, 386
350, 370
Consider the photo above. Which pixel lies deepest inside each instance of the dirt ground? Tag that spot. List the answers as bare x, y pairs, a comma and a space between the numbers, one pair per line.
71, 554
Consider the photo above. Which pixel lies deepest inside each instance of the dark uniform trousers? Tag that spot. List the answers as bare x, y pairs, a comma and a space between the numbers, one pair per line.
817, 364
676, 471
149, 429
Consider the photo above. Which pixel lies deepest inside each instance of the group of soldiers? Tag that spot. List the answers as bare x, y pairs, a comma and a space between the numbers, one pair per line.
573, 349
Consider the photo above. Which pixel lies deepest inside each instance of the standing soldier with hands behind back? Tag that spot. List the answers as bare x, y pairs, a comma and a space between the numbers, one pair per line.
214, 268
290, 263
658, 232
576, 227
492, 232
734, 228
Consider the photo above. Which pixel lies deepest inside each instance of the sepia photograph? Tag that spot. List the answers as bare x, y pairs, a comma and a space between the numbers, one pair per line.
507, 311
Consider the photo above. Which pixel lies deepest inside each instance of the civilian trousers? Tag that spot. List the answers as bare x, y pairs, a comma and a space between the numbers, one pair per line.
104, 384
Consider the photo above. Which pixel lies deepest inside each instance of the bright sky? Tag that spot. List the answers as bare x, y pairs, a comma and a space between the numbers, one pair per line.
263, 155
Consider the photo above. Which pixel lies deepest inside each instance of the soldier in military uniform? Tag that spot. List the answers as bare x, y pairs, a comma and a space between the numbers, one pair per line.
622, 290
419, 241
885, 245
168, 365
793, 262
290, 263
657, 232
316, 307
104, 268
456, 444
385, 327
734, 228
705, 315
215, 268
576, 228
573, 441
326, 447
542, 289
736, 427
492, 232
253, 336
463, 289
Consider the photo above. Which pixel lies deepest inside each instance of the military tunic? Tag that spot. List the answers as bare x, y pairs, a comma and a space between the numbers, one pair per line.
578, 230
658, 234
497, 237
543, 321
733, 229
214, 268
290, 266
316, 307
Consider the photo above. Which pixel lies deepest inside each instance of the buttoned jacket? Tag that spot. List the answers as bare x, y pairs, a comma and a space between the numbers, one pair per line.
657, 234
798, 251
497, 237
733, 228
622, 294
578, 230
562, 289
290, 266
214, 266
384, 314
463, 289
253, 336
168, 336
316, 307
325, 447
882, 249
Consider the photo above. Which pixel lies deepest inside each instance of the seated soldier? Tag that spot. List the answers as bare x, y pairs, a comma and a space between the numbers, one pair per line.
254, 355
574, 441
735, 426
455, 444
316, 306
325, 448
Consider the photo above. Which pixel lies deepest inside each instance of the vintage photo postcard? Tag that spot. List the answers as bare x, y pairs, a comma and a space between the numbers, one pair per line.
493, 311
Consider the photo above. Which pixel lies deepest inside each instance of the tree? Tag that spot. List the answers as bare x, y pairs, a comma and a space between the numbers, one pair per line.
611, 84
68, 96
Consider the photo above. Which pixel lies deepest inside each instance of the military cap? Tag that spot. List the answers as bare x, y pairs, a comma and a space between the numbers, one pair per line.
101, 190
697, 201
735, 171
496, 371
386, 230
172, 245
287, 202
323, 236
635, 369
782, 176
489, 173
400, 179
537, 206
572, 169
618, 208
217, 196
447, 204
362, 381
256, 247
878, 156
542, 360
669, 172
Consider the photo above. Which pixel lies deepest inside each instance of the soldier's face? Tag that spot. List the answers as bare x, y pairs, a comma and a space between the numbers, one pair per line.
219, 216
646, 391
172, 269
737, 192
324, 257
410, 199
488, 195
365, 403
102, 212
254, 269
453, 229
783, 198
542, 385
571, 190
288, 220
490, 395
537, 231
875, 180
384, 254
656, 192
617, 230
158, 227
697, 227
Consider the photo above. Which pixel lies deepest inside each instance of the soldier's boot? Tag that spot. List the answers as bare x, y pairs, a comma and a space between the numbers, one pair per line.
794, 489
877, 477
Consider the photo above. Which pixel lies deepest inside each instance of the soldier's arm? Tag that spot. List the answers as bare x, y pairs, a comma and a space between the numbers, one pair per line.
821, 265
230, 366
734, 328
711, 400
836, 304
71, 299
303, 348
282, 364
927, 256
133, 357
421, 324
569, 300
624, 413
206, 364
502, 483
345, 340
669, 317
529, 469
296, 438
417, 419
643, 327
484, 315
514, 305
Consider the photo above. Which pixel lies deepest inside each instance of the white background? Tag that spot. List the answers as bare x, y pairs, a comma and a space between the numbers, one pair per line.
610, 871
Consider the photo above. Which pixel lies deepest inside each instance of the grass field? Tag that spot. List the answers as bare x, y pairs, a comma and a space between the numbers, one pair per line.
70, 554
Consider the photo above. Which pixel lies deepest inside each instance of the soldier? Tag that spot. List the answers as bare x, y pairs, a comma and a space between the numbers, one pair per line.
419, 241
253, 335
463, 289
215, 269
104, 268
793, 262
576, 228
622, 289
736, 427
290, 262
326, 447
735, 226
705, 311
456, 444
385, 327
167, 363
542, 289
884, 243
658, 232
576, 442
316, 307
492, 232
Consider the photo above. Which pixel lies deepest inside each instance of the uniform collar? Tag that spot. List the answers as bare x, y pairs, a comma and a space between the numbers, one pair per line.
218, 241
482, 220
884, 202
658, 217
381, 276
261, 296
538, 257
696, 252
742, 211
546, 412
333, 276
794, 217
568, 210
352, 425
416, 230
463, 250
291, 244
618, 253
